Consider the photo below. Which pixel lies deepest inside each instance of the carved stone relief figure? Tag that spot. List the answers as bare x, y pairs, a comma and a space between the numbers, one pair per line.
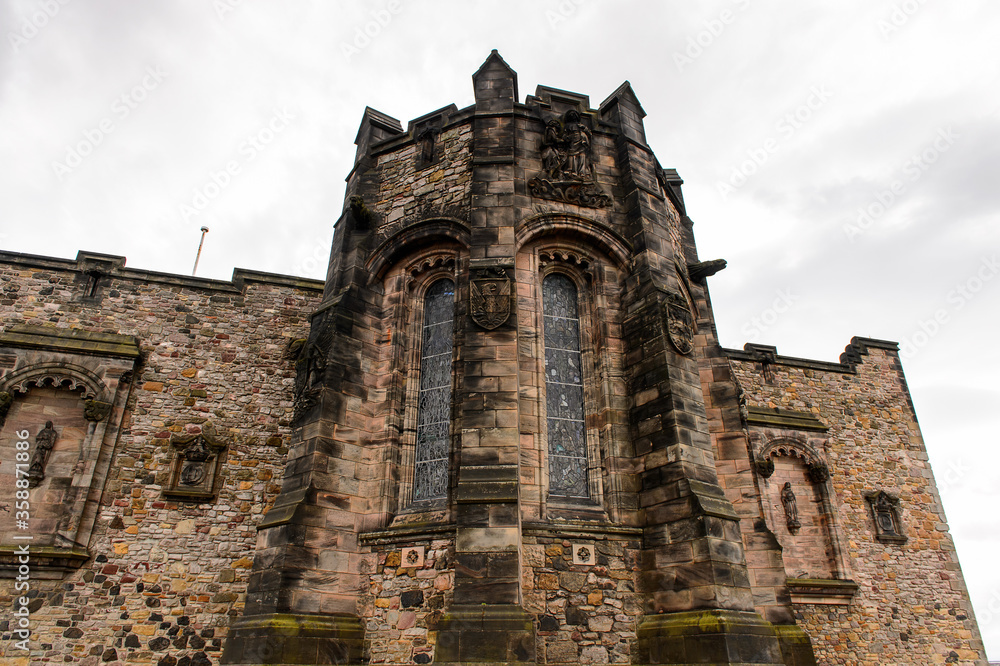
567, 169
310, 365
791, 508
44, 442
552, 157
578, 139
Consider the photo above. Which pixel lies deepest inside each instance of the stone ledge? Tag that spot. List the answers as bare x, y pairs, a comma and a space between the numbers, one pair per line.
46, 563
406, 534
286, 638
711, 636
773, 417
581, 531
77, 341
821, 591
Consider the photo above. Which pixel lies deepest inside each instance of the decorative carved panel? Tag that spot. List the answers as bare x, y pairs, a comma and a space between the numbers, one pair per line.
884, 509
195, 467
567, 168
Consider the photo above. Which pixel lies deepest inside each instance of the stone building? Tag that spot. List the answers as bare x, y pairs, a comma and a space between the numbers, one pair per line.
502, 430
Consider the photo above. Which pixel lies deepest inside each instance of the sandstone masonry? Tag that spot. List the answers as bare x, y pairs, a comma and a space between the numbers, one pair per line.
501, 431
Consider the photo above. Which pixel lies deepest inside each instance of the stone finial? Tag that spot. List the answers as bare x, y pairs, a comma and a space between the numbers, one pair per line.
495, 84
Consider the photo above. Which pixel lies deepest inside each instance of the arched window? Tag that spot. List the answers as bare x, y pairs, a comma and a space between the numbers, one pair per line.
564, 407
430, 471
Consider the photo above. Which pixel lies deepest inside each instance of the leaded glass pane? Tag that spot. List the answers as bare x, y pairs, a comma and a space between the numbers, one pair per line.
430, 472
564, 388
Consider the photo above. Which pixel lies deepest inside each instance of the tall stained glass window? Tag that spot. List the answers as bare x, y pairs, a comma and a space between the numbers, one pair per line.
564, 388
430, 474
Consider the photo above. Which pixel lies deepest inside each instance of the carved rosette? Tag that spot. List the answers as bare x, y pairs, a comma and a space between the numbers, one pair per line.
679, 321
195, 465
489, 298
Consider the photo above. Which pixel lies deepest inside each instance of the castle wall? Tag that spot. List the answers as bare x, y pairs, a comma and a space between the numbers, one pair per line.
911, 605
164, 576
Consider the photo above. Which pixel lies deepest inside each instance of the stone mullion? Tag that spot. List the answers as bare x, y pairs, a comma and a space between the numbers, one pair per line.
393, 456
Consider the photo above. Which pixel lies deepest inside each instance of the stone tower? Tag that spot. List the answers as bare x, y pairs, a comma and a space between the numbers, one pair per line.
516, 437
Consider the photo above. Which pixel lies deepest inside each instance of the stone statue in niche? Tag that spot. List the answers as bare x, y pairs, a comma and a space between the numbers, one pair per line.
489, 297
567, 170
44, 441
791, 508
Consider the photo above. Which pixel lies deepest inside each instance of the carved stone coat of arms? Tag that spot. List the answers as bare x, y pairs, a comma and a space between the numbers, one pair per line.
679, 321
489, 299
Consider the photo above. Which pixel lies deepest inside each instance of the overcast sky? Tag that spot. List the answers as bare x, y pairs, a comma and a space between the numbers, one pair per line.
843, 161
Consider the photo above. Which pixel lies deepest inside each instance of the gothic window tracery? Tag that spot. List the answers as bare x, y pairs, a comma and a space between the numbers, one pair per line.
564, 388
431, 463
